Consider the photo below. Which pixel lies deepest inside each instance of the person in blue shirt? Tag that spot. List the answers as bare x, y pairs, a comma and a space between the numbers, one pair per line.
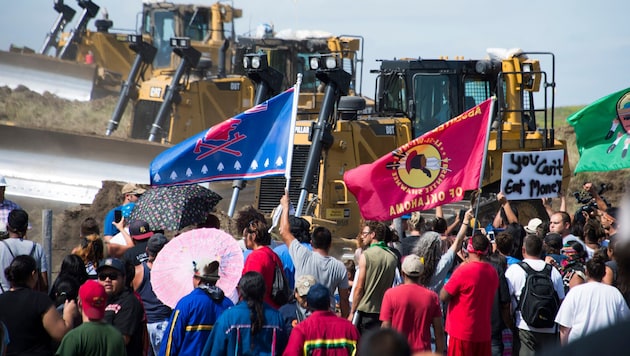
251, 327
131, 193
300, 228
195, 315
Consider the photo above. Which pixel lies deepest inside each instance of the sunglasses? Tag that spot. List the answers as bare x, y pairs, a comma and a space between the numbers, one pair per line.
251, 227
112, 276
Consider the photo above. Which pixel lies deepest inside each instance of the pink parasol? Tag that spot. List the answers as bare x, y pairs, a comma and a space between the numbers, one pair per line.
172, 272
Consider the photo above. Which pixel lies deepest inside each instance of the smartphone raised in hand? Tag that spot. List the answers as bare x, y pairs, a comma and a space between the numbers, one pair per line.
117, 215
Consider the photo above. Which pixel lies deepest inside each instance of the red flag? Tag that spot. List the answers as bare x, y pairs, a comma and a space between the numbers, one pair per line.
431, 170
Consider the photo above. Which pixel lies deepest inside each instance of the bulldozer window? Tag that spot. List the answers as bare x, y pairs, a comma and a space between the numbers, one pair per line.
392, 97
310, 82
196, 25
433, 96
476, 91
163, 30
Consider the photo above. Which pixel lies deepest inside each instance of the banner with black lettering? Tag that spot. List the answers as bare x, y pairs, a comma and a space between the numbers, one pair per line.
532, 175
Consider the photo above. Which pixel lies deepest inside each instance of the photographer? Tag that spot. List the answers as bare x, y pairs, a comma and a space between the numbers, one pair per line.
600, 202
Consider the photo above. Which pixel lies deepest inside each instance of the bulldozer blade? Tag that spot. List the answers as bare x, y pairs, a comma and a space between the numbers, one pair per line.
70, 167
65, 79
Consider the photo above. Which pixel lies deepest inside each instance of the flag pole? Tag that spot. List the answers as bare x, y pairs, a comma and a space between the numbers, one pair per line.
277, 212
296, 97
485, 156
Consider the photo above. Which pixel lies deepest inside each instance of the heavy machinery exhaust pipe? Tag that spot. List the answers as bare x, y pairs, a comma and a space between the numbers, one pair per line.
337, 84
221, 70
145, 53
66, 13
90, 10
190, 59
268, 83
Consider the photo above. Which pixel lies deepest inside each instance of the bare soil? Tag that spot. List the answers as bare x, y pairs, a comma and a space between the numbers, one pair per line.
25, 108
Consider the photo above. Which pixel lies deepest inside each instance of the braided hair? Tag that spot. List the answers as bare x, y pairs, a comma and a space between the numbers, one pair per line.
252, 291
428, 247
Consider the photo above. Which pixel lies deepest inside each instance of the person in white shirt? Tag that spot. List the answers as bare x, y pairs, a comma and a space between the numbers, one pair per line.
532, 340
591, 306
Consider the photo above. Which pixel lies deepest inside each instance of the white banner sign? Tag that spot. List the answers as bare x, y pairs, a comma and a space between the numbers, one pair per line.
532, 175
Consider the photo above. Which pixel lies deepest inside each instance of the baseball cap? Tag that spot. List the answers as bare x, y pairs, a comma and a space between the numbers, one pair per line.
412, 266
532, 225
304, 283
318, 297
93, 299
140, 230
3, 181
113, 263
156, 243
131, 188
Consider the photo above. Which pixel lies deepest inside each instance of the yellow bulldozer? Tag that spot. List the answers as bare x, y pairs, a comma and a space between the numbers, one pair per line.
411, 95
180, 101
82, 64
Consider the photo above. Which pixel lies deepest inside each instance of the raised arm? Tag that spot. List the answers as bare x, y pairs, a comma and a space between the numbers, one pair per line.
511, 217
285, 227
452, 226
461, 235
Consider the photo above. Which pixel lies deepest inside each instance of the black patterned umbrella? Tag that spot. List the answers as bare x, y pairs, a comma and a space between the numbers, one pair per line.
174, 207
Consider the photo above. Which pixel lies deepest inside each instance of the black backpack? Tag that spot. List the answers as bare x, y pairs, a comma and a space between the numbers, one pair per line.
539, 302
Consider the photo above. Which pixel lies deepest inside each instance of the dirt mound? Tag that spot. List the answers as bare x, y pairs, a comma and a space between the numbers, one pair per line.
66, 228
24, 107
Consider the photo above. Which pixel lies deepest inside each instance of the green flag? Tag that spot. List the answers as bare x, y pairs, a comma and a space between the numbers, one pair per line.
601, 131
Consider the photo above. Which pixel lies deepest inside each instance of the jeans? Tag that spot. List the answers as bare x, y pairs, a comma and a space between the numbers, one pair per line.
156, 332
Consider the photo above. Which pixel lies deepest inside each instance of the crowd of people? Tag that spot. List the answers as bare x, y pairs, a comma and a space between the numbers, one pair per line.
478, 286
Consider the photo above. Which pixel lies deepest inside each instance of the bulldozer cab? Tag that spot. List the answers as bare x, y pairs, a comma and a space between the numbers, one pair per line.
202, 25
430, 92
291, 57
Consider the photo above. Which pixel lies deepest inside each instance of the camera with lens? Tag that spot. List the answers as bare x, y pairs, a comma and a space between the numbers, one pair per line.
584, 197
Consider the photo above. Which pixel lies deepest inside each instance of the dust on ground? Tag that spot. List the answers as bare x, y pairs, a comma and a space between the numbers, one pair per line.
26, 108
67, 219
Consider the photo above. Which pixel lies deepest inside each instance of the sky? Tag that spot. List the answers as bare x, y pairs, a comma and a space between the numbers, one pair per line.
589, 38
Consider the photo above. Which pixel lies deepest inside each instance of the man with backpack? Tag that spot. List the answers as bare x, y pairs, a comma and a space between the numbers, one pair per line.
18, 244
537, 292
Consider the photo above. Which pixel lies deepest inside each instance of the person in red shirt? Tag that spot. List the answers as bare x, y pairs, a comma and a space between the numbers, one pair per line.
470, 292
323, 332
411, 309
262, 259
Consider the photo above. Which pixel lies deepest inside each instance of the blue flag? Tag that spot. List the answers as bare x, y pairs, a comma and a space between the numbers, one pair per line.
251, 145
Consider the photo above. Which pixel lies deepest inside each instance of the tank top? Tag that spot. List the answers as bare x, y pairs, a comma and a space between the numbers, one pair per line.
156, 311
380, 270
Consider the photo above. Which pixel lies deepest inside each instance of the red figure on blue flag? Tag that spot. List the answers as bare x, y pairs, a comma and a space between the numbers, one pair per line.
251, 145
